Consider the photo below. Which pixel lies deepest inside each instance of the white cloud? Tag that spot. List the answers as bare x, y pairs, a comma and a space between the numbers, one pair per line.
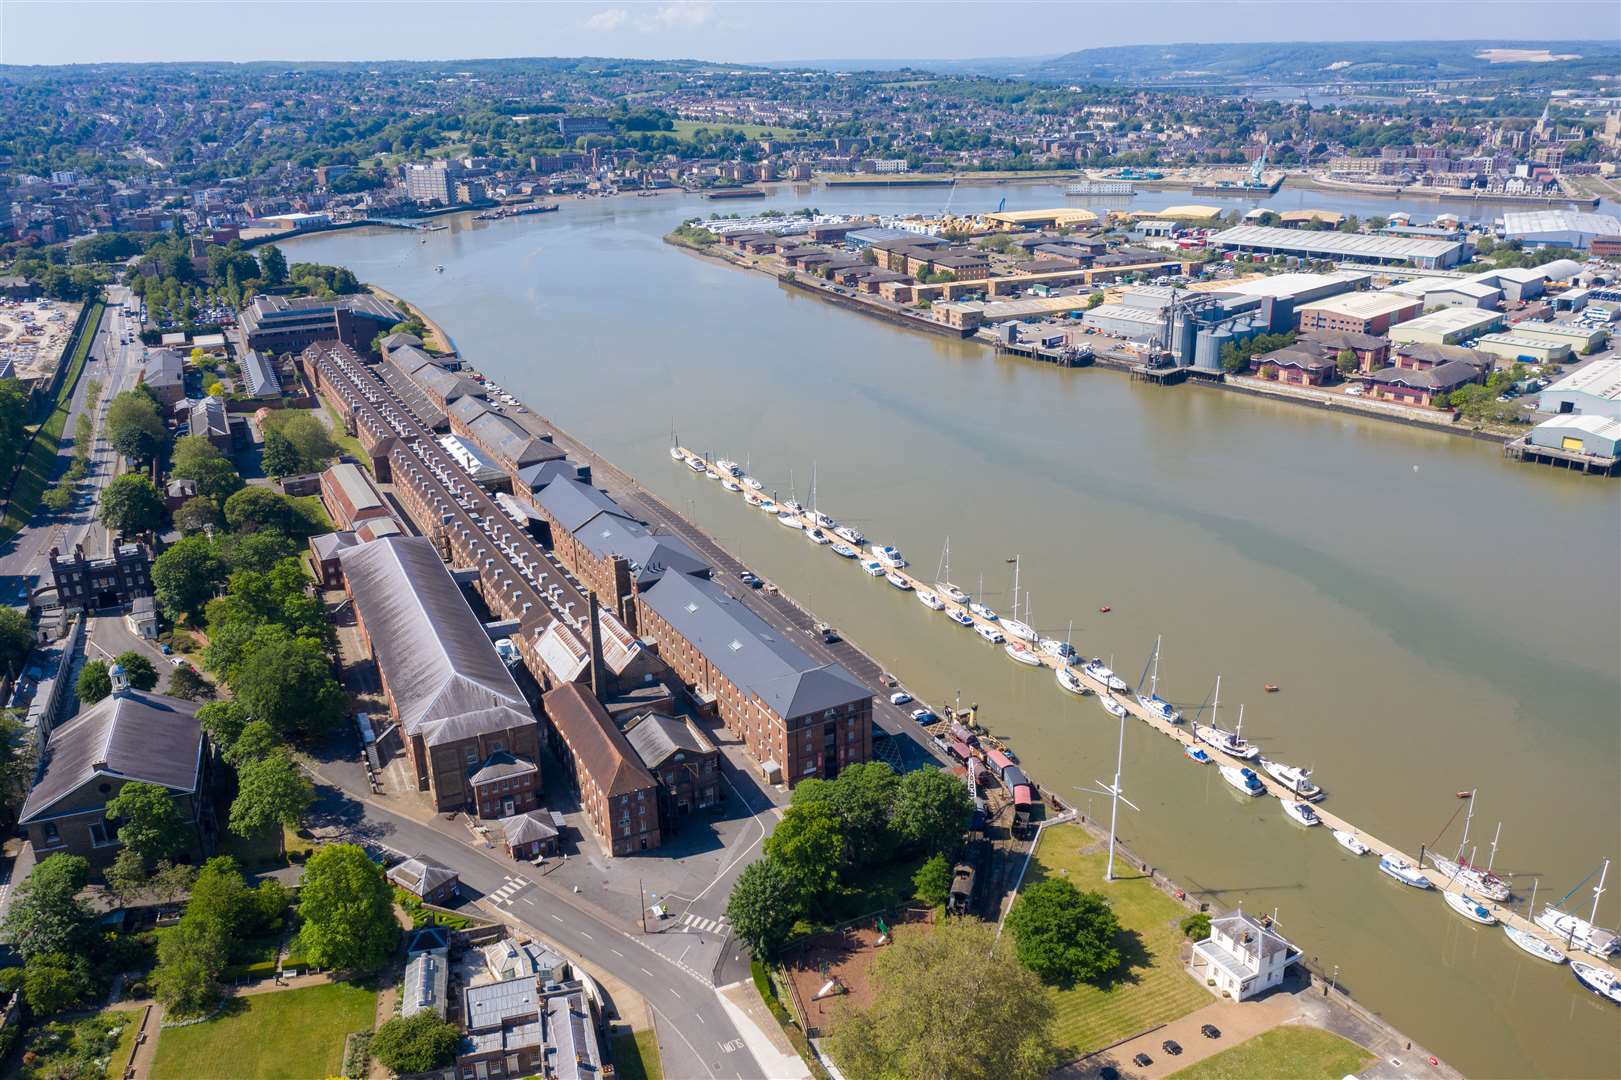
682, 15
608, 20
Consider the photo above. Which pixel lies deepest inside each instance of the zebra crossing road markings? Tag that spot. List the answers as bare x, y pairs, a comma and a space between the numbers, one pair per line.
708, 926
505, 893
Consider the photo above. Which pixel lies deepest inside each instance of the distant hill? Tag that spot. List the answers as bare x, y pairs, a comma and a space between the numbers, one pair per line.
1512, 63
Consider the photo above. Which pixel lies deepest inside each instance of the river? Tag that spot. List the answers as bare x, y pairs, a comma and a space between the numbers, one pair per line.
1438, 618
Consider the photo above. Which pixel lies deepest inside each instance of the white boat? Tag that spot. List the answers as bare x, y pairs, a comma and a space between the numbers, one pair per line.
711, 474
942, 582
1598, 980
753, 498
1348, 840
729, 484
951, 592
1231, 743
888, 555
817, 536
982, 611
1481, 879
727, 466
930, 601
696, 464
898, 581
790, 519
675, 452
961, 618
989, 633
1062, 650
1243, 780
1070, 681
823, 521
1534, 945
1111, 706
872, 567
1296, 780
1022, 631
1022, 653
794, 506
1100, 671
1155, 705
1301, 812
1196, 755
845, 551
1577, 933
1469, 907
751, 482
1404, 872
850, 534
770, 507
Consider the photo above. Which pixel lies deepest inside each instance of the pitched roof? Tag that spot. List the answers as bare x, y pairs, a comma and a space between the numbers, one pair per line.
501, 765
600, 749
527, 828
131, 735
444, 674
164, 367
260, 376
511, 441
650, 555
208, 417
656, 737
744, 648
540, 475
420, 876
467, 409
1445, 376
573, 503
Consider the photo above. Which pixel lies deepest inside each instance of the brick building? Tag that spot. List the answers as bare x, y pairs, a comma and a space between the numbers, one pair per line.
349, 496
85, 583
682, 759
280, 324
619, 796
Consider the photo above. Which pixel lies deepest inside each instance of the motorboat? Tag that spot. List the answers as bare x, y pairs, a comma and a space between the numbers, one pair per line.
1598, 980
751, 482
1062, 650
1577, 932
727, 466
1301, 812
1404, 872
930, 601
898, 581
872, 567
711, 474
1196, 754
1070, 681
1022, 653
729, 484
951, 592
989, 633
1478, 878
845, 551
823, 521
850, 534
1469, 907
1534, 945
1243, 780
888, 555
817, 536
790, 519
1111, 706
982, 611
770, 507
960, 617
1159, 708
1347, 839
1100, 671
1022, 631
753, 498
1296, 780
675, 452
696, 464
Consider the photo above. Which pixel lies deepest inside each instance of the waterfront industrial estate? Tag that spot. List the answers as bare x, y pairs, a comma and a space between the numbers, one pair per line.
576, 568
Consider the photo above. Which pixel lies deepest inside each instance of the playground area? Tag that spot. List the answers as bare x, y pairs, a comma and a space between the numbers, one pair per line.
843, 957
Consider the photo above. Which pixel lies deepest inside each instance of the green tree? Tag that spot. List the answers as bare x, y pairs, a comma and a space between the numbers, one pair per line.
259, 551
46, 915
1345, 362
1196, 927
134, 427
348, 910
127, 875
948, 1005
16, 640
932, 882
137, 669
54, 982
763, 906
288, 684
198, 460
255, 508
1064, 935
932, 810
280, 456
416, 1043
186, 979
94, 683
149, 822
187, 575
197, 515
310, 438
808, 845
256, 740
271, 792
223, 720
862, 796
188, 684
130, 504
272, 265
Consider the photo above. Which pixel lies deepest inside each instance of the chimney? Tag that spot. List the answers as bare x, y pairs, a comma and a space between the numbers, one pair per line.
599, 674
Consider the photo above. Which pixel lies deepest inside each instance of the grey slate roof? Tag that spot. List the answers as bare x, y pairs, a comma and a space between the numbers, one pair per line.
328, 545
208, 417
656, 737
538, 476
1453, 373
745, 649
526, 828
164, 367
512, 442
132, 735
573, 504
395, 341
259, 376
467, 409
650, 555
444, 674
445, 385
501, 765
420, 876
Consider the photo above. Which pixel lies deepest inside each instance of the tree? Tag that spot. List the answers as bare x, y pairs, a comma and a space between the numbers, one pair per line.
256, 740
310, 438
127, 875
197, 515
149, 821
763, 906
187, 575
223, 720
130, 504
348, 910
932, 882
808, 844
270, 792
1196, 927
46, 914
186, 979
134, 427
94, 682
1064, 935
55, 981
947, 1005
932, 810
255, 508
258, 551
416, 1043
288, 684
16, 640
272, 265
198, 460
1345, 362
862, 797
137, 669
188, 684
280, 456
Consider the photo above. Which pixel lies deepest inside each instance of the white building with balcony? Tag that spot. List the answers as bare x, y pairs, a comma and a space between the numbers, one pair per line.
1242, 956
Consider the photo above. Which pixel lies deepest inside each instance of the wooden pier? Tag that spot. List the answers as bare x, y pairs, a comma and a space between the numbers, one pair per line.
1184, 736
1521, 449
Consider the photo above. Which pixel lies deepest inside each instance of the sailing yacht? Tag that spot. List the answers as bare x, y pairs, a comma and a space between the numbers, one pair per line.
1156, 705
1022, 653
942, 578
1013, 626
790, 519
1469, 907
1070, 681
1296, 780
1481, 879
1063, 651
1100, 671
675, 452
930, 601
1404, 872
729, 484
1577, 932
1243, 780
982, 611
1534, 945
1231, 743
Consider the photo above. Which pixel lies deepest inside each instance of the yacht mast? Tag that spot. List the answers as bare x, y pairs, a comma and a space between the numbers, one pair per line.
1466, 819
1598, 891
1153, 682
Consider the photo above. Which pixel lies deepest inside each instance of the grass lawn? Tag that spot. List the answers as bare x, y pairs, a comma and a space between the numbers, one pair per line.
1154, 989
126, 1041
1285, 1053
636, 1055
288, 1035
343, 440
685, 128
261, 852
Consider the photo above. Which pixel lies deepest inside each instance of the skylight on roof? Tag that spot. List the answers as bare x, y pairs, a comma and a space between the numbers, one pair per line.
692, 608
736, 645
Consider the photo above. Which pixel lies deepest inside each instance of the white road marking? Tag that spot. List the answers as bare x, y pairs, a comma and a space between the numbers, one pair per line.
649, 974
673, 991
587, 936
559, 918
616, 952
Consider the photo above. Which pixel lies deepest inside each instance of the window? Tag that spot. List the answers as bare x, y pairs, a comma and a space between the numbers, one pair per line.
53, 835
471, 753
99, 836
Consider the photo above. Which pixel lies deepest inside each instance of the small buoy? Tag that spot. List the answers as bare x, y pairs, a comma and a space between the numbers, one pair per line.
1415, 468
1432, 1057
1103, 610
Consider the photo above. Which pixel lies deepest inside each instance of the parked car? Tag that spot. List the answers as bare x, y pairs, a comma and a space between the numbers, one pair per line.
1210, 1031
923, 716
1142, 1061
1171, 1046
899, 697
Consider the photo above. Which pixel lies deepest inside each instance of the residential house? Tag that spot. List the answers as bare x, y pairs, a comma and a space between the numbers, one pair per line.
1244, 956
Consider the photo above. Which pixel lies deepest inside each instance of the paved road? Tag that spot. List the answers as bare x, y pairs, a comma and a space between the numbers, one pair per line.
116, 365
698, 1039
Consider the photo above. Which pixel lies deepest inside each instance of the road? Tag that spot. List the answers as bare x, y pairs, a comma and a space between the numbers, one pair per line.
117, 366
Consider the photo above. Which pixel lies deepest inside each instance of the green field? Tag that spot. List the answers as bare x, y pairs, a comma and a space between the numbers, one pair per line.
126, 1041
1153, 988
685, 128
636, 1055
1285, 1053
289, 1035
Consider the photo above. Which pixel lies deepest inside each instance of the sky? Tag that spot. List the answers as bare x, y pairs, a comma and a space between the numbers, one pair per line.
87, 31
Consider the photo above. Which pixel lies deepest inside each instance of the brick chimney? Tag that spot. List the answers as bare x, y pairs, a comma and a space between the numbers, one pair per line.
599, 672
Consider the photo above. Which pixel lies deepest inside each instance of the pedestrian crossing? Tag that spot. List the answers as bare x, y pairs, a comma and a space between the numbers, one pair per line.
506, 893
699, 923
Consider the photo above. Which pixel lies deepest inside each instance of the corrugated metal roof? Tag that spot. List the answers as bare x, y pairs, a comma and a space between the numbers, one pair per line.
1334, 243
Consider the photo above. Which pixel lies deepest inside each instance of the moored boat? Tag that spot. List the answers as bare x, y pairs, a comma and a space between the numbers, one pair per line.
751, 482
1070, 681
1349, 841
1022, 631
982, 611
729, 467
1404, 872
1111, 706
1598, 980
889, 555
794, 506
845, 551
711, 474
989, 633
1301, 812
1577, 933
1062, 650
850, 534
951, 592
872, 567
817, 536
1296, 780
961, 618
696, 464
790, 520
1022, 653
730, 485
930, 601
1195, 754
769, 506
1232, 743
1478, 878
675, 452
898, 581
1469, 907
1100, 671
1243, 780
753, 498
823, 521
1534, 945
